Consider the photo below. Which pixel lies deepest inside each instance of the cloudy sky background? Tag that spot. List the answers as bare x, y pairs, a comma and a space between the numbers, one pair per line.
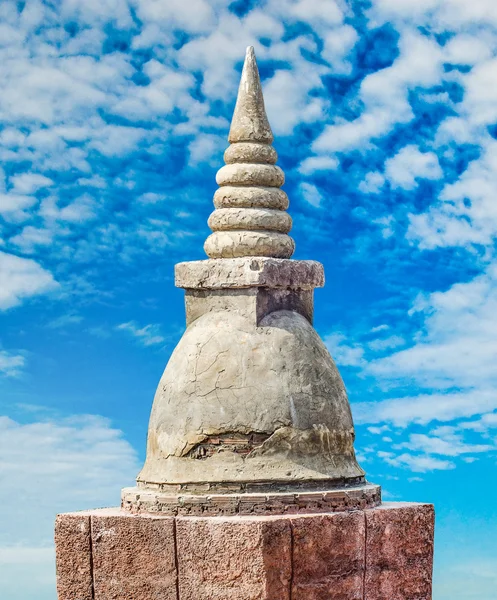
113, 119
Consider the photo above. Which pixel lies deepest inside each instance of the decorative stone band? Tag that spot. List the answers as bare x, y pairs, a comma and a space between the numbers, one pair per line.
244, 272
233, 244
137, 500
251, 197
268, 219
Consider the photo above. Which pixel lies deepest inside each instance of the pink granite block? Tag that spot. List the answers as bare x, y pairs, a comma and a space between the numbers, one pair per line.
384, 553
328, 556
399, 552
133, 556
73, 557
234, 558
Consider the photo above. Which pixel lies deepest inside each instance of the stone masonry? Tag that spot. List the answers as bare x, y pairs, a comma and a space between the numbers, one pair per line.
383, 553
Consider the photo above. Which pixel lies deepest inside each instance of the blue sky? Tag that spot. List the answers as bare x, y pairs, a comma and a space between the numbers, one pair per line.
113, 119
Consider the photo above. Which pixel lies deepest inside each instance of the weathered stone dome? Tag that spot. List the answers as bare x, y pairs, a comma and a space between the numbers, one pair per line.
244, 404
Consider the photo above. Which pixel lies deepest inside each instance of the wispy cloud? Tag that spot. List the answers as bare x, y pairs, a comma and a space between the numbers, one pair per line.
148, 335
428, 407
345, 353
55, 466
450, 445
22, 278
416, 463
11, 365
65, 320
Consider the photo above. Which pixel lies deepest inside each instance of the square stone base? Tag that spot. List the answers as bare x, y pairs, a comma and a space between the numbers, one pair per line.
383, 553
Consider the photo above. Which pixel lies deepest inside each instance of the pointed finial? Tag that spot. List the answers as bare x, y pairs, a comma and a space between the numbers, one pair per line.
250, 217
249, 123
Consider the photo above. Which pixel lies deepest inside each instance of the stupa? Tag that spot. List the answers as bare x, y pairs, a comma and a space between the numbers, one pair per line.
251, 402
250, 489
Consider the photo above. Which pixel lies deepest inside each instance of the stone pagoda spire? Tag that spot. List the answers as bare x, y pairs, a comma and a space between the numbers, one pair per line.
250, 217
251, 408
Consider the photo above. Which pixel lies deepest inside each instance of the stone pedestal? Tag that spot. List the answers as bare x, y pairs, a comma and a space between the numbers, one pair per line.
382, 553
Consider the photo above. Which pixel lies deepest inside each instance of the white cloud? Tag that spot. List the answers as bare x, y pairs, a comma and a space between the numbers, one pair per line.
79, 211
466, 49
417, 463
338, 42
287, 98
29, 183
311, 194
12, 206
315, 164
378, 328
151, 198
387, 225
207, 149
65, 320
319, 15
49, 467
344, 354
459, 345
425, 408
378, 430
480, 95
452, 446
440, 14
385, 95
22, 278
409, 164
393, 341
168, 88
466, 212
373, 183
32, 237
486, 422
148, 335
11, 365
195, 17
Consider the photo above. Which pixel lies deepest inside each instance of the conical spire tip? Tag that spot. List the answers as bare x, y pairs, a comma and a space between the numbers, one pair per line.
250, 123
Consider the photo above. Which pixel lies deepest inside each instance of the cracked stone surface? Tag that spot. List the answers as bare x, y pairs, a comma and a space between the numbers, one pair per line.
250, 423
250, 197
228, 375
384, 553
